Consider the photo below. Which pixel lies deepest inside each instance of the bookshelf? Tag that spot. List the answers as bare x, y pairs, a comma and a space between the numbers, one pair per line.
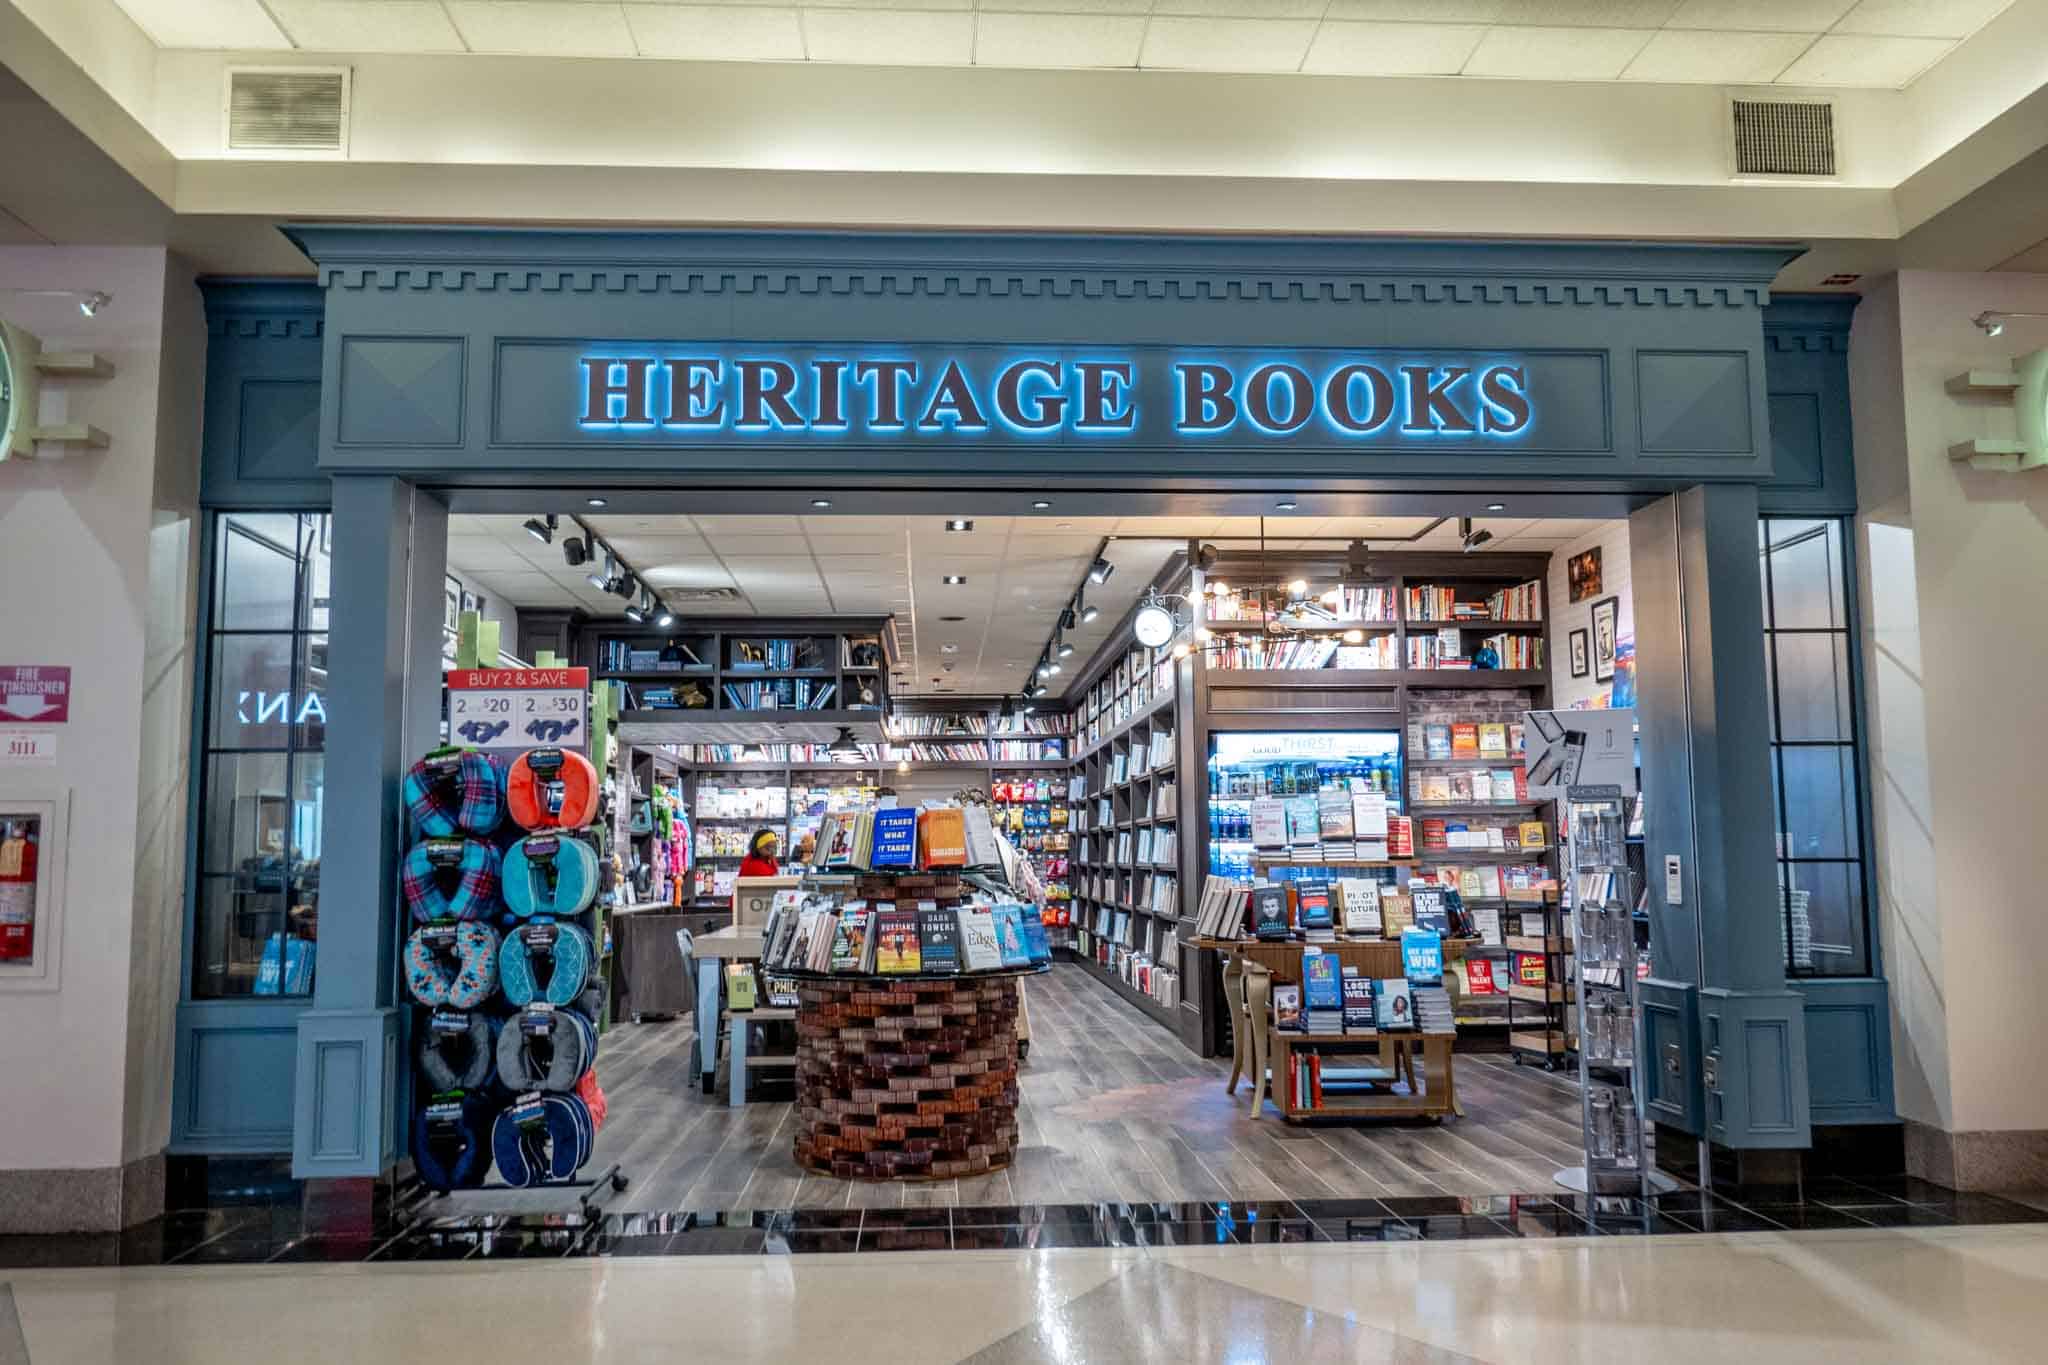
824, 670
1368, 673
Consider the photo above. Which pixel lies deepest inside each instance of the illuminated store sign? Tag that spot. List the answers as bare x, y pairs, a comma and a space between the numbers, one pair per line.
688, 391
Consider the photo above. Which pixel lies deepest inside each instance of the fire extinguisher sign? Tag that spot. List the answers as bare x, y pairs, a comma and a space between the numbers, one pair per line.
35, 694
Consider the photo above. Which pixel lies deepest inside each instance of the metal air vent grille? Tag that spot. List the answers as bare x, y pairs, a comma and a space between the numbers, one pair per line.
300, 109
1784, 137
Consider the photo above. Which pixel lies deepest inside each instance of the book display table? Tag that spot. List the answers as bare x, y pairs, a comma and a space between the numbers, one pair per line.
1417, 1079
904, 1077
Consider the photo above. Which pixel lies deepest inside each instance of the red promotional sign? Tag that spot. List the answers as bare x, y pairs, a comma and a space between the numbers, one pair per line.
34, 694
518, 708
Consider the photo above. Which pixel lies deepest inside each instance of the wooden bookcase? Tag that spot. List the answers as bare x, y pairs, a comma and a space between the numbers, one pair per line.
730, 665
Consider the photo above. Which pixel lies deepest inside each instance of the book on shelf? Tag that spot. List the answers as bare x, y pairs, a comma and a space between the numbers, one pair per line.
1322, 994
1397, 913
1269, 913
850, 940
1432, 1009
938, 938
1304, 826
895, 837
1493, 740
1009, 924
1524, 652
1400, 836
1287, 1007
942, 837
1368, 818
1037, 943
896, 942
1430, 909
1479, 976
1357, 995
1269, 824
982, 848
979, 949
1223, 908
1358, 905
1312, 901
1393, 1006
1434, 788
1334, 817
1436, 741
740, 986
1523, 602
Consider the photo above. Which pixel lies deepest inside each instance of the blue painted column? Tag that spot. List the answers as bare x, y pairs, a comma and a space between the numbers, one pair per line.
1724, 1037
383, 710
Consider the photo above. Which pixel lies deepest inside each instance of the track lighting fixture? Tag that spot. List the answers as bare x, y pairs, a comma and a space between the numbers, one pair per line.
844, 748
1064, 648
1067, 619
1040, 690
1089, 611
633, 612
1026, 707
603, 581
91, 304
626, 586
1470, 538
1206, 557
1100, 570
664, 618
543, 530
1009, 709
576, 552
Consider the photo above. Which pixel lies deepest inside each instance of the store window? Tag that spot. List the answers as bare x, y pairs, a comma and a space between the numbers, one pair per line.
1816, 762
262, 757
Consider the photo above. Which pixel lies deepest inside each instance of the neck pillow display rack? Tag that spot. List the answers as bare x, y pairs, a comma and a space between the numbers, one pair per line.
568, 1040
455, 791
466, 981
471, 863
554, 1148
552, 789
572, 959
550, 874
452, 1142
472, 1047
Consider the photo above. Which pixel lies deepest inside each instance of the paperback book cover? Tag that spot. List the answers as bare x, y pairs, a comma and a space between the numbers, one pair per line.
1533, 835
896, 942
1393, 1007
982, 850
1358, 900
1287, 1007
1321, 988
1464, 740
944, 836
1313, 904
849, 944
1504, 788
1422, 955
1269, 912
979, 951
938, 941
1037, 944
896, 837
739, 986
1479, 976
1010, 936
1436, 741
1269, 823
1493, 740
1357, 1003
1304, 822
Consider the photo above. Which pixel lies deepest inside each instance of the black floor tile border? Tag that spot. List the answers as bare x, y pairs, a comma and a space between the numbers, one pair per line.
253, 1234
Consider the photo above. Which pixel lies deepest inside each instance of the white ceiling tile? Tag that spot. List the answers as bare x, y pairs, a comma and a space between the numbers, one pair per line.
1720, 58
1227, 44
1786, 16
1244, 9
1589, 13
1556, 54
716, 32
892, 4
1421, 11
1922, 18
368, 25
889, 37
1067, 6
729, 530
206, 23
551, 28
1391, 49
1058, 39
1862, 59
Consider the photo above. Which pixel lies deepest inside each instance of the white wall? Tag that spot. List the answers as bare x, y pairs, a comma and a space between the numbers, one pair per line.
495, 608
1566, 615
96, 553
1953, 560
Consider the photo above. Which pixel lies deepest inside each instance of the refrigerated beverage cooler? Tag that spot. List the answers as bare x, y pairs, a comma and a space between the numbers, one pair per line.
1248, 765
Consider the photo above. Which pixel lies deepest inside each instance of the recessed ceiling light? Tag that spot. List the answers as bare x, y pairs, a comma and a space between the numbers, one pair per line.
1496, 507
954, 580
1286, 504
821, 502
951, 619
1041, 504
595, 502
949, 648
959, 524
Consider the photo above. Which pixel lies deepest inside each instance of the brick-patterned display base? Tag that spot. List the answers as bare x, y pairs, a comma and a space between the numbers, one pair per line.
907, 1079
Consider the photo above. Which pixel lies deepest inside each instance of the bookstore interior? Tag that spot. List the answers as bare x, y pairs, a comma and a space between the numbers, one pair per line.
812, 803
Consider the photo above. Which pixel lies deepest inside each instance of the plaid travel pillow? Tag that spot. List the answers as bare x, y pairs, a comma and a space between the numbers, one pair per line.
552, 789
453, 792
452, 1141
460, 1060
466, 981
550, 874
546, 1050
554, 1149
570, 957
430, 865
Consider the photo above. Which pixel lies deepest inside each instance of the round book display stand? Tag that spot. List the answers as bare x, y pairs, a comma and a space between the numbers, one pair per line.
907, 1078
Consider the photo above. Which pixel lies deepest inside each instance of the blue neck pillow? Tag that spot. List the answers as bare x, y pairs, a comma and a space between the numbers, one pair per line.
549, 1051
454, 1154
571, 959
549, 874
464, 983
465, 1060
456, 793
475, 874
553, 1151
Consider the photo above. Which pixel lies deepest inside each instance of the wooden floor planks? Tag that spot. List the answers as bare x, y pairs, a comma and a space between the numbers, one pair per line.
1113, 1108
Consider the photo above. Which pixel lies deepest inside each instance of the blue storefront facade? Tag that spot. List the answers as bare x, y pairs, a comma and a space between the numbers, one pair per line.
474, 370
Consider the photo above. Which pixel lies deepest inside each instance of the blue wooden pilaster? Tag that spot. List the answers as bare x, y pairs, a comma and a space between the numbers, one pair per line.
1724, 1037
383, 703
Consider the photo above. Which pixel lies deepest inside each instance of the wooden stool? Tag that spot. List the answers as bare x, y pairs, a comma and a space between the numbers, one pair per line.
1258, 1018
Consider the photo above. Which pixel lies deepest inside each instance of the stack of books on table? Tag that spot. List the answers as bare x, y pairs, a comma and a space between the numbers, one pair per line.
1322, 993
1433, 1013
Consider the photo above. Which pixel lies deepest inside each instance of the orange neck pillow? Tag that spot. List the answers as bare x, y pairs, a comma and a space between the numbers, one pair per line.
552, 789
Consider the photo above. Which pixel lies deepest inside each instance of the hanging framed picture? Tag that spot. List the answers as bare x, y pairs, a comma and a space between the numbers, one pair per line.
1582, 574
1580, 651
1606, 624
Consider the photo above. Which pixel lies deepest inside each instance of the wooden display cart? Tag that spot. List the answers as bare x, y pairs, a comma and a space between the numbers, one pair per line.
1431, 1088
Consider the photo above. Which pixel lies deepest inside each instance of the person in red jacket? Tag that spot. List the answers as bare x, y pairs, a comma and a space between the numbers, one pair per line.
760, 859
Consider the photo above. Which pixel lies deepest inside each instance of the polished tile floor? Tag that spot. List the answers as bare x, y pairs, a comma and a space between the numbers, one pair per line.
1863, 1295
